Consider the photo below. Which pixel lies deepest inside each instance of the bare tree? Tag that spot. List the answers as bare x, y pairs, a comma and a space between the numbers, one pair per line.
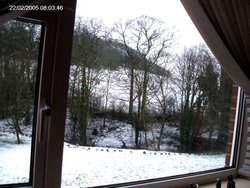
164, 100
189, 69
85, 60
123, 34
146, 41
197, 80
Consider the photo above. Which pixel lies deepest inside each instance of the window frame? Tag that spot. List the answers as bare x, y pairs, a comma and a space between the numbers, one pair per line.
56, 58
53, 82
35, 103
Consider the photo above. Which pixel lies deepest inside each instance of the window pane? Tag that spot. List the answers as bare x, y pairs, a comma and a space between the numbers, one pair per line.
144, 101
18, 78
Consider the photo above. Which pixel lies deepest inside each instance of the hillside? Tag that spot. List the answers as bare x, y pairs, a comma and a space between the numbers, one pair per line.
93, 166
112, 55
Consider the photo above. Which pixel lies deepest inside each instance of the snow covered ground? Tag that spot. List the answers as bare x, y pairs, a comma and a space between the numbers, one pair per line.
92, 166
115, 133
14, 158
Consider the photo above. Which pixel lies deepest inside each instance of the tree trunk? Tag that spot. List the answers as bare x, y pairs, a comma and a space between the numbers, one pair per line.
131, 93
144, 100
84, 109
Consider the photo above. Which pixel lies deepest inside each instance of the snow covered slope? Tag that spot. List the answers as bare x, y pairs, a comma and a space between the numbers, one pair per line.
92, 166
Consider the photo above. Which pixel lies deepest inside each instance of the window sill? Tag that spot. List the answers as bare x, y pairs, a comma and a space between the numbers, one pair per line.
242, 183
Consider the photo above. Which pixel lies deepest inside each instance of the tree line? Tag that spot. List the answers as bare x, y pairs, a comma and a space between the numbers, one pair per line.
188, 89
19, 48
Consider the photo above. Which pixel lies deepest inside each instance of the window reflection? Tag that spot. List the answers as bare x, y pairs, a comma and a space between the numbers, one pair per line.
18, 78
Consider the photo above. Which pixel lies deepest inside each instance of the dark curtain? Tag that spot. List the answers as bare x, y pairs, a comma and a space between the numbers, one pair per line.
231, 20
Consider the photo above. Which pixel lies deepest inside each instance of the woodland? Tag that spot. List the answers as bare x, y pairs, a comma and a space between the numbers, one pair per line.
158, 88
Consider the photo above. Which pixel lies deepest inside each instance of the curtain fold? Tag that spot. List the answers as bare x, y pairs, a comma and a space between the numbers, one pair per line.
231, 20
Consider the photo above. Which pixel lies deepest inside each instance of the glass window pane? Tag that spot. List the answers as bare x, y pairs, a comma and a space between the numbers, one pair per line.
147, 99
19, 50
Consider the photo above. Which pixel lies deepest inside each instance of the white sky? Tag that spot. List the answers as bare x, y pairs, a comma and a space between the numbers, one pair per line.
169, 11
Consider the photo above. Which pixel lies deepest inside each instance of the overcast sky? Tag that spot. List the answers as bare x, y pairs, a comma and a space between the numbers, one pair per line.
169, 11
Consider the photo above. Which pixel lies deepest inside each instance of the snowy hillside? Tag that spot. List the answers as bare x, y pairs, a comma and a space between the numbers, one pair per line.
112, 86
92, 166
118, 134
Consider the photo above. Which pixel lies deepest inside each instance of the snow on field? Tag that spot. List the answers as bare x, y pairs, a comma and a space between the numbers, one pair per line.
14, 158
14, 163
93, 166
